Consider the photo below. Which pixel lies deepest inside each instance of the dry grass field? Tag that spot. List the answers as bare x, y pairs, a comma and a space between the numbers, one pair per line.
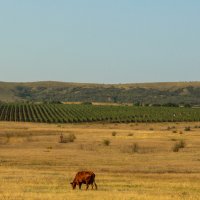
131, 161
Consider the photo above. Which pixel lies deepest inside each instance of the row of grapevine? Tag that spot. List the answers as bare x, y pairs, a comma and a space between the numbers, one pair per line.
60, 113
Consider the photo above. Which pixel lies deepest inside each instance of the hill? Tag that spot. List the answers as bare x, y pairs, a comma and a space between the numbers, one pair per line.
147, 93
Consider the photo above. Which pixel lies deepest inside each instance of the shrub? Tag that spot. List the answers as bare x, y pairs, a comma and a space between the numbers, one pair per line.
187, 128
87, 147
187, 106
8, 136
173, 139
6, 139
134, 148
172, 127
170, 105
174, 131
66, 139
130, 134
182, 144
178, 145
114, 133
106, 142
29, 138
156, 105
86, 103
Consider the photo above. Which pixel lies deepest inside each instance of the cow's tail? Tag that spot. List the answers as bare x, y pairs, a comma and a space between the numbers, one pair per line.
95, 183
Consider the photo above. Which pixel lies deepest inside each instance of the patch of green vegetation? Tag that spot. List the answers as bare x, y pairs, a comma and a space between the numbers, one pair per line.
60, 113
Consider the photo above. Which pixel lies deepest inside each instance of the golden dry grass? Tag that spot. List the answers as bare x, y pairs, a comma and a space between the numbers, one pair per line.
34, 165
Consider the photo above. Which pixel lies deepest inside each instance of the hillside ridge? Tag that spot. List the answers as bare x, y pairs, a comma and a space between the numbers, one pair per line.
149, 93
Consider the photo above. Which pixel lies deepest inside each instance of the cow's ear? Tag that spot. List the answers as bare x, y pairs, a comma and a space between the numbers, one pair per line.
71, 183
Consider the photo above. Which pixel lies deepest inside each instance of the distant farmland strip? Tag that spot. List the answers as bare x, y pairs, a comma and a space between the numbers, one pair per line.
60, 113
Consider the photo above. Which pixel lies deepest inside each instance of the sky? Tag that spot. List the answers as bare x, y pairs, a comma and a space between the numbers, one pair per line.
106, 41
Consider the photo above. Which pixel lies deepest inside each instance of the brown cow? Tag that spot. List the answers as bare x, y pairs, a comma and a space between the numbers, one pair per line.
84, 177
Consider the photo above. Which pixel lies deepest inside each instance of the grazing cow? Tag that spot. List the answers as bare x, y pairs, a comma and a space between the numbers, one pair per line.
84, 177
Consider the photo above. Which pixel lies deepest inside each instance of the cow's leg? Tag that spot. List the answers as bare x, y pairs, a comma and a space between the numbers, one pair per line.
92, 185
87, 185
79, 184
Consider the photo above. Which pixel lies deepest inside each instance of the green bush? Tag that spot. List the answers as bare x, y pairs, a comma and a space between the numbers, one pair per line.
86, 103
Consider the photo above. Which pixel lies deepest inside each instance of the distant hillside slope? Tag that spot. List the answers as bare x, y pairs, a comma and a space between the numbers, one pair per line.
148, 93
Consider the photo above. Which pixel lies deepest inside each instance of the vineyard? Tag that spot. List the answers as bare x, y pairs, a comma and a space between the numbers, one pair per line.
60, 113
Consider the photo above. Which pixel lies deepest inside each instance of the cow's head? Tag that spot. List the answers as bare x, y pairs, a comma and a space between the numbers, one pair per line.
73, 185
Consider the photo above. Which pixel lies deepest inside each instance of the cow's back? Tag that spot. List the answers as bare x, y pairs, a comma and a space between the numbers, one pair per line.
84, 176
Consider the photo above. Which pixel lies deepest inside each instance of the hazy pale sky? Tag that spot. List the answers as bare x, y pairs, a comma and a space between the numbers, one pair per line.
103, 41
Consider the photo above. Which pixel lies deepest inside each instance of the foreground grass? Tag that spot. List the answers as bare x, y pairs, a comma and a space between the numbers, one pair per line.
34, 165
